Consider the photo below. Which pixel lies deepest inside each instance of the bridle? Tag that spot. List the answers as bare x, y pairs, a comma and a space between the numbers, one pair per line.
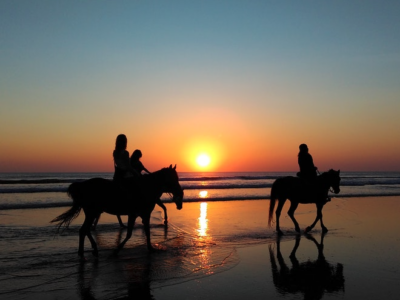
330, 187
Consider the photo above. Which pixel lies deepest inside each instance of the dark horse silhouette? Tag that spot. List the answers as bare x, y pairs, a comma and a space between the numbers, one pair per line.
310, 278
98, 195
122, 225
297, 190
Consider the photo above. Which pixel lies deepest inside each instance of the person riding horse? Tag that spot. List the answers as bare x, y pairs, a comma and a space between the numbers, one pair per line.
122, 166
307, 169
124, 173
308, 172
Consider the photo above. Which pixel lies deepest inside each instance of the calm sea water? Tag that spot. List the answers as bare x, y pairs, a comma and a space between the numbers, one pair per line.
202, 239
40, 190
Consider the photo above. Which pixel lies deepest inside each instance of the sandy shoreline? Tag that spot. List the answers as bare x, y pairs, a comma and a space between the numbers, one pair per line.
213, 251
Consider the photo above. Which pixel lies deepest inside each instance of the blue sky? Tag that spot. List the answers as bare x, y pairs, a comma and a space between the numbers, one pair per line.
321, 72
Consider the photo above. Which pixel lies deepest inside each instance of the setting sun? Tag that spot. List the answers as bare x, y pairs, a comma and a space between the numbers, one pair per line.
203, 160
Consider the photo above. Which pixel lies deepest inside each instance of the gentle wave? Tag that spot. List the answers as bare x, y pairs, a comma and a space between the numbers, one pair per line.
24, 190
351, 180
10, 206
182, 179
37, 181
7, 189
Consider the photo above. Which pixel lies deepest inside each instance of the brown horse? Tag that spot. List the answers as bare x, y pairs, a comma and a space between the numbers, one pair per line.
98, 195
297, 190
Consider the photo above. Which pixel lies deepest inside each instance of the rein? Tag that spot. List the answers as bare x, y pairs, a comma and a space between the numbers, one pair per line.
330, 187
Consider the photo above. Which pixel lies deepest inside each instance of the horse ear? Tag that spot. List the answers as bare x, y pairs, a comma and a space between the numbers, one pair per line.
175, 167
339, 171
170, 166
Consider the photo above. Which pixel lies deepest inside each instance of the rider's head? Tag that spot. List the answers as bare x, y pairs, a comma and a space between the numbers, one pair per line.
137, 154
121, 142
303, 148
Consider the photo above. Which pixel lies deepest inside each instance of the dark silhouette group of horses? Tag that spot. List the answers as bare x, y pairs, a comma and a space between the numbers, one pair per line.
97, 195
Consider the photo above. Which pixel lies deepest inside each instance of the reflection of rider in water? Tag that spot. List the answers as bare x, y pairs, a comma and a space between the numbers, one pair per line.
306, 164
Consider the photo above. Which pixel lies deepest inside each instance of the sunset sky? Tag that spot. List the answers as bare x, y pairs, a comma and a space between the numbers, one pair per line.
244, 82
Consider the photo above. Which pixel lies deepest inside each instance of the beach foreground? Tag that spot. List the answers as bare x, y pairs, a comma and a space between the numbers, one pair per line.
212, 250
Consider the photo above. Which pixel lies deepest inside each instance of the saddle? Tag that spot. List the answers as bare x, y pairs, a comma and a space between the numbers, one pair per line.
127, 187
310, 188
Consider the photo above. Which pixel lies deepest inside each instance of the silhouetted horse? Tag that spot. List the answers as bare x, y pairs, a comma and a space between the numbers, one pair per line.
298, 190
122, 225
310, 278
98, 195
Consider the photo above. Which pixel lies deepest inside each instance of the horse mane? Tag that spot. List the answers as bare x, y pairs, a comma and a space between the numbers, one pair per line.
157, 174
329, 172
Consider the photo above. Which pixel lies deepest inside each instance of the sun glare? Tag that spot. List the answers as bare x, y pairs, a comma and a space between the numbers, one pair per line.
203, 160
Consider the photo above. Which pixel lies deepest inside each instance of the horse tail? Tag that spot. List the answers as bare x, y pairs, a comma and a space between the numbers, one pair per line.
272, 203
67, 217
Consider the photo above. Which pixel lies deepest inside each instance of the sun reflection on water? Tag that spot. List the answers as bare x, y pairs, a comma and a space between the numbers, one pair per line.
203, 221
203, 194
203, 240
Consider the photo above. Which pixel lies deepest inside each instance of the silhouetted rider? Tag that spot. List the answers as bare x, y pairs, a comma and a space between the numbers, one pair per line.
306, 164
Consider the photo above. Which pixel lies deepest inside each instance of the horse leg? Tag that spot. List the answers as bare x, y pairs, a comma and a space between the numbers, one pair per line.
131, 223
85, 231
121, 224
96, 220
95, 251
146, 223
281, 202
160, 204
320, 207
319, 217
293, 207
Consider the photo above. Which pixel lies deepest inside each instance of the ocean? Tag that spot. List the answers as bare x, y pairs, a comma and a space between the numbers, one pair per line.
210, 248
43, 190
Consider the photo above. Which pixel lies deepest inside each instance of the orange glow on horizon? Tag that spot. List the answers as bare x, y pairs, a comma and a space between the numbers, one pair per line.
203, 155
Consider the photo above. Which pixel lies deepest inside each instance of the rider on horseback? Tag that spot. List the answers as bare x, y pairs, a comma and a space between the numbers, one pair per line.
136, 163
122, 166
123, 171
307, 169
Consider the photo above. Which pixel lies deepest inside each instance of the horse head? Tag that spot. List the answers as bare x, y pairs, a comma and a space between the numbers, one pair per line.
173, 186
334, 180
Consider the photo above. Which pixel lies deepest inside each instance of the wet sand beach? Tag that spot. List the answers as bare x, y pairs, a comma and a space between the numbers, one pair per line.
214, 250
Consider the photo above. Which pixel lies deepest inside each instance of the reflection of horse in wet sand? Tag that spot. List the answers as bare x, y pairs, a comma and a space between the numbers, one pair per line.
130, 280
310, 278
98, 195
297, 190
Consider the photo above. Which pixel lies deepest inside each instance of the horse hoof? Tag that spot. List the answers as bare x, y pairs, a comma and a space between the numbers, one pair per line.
166, 222
324, 230
95, 253
308, 229
280, 233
